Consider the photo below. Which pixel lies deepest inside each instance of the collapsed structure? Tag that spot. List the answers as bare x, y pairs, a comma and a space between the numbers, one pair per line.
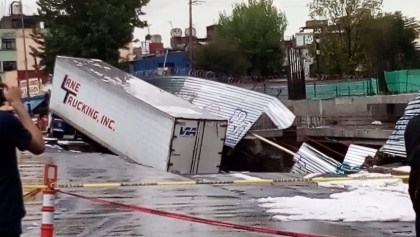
242, 107
178, 124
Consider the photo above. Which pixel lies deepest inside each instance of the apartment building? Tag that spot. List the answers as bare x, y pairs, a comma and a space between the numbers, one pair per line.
12, 51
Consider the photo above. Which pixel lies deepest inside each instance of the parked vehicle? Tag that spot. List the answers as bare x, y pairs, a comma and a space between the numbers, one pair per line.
58, 128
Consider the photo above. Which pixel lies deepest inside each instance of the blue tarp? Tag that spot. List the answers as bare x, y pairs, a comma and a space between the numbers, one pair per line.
34, 102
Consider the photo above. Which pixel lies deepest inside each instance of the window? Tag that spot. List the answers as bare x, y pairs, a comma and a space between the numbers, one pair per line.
16, 24
8, 44
9, 66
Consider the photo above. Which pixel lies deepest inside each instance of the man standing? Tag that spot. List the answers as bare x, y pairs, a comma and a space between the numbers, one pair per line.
412, 146
15, 132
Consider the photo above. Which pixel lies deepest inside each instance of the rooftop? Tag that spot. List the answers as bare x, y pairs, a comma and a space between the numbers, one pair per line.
15, 22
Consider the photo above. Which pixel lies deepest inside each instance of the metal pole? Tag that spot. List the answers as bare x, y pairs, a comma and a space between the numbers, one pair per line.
318, 53
190, 40
28, 95
273, 144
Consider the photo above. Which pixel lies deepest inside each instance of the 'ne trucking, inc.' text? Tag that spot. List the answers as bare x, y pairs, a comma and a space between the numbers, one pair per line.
72, 88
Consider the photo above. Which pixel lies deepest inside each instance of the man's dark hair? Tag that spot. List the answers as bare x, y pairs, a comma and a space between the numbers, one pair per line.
2, 98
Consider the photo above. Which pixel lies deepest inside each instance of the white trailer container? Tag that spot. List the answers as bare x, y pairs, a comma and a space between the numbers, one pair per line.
135, 119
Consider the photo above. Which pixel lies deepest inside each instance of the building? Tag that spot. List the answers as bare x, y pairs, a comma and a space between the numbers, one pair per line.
12, 54
16, 68
179, 41
172, 60
153, 57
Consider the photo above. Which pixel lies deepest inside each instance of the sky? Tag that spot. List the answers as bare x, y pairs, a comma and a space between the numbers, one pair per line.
162, 15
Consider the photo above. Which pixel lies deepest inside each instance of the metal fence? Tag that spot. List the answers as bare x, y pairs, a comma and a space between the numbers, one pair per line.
320, 89
215, 76
276, 85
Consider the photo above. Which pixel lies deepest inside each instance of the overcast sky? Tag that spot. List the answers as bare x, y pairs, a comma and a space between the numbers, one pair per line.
163, 14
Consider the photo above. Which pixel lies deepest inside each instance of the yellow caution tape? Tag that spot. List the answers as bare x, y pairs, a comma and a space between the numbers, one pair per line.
176, 183
214, 182
102, 185
254, 181
34, 186
332, 179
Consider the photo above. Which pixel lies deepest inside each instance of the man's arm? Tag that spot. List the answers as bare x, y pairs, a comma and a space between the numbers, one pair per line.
413, 187
36, 145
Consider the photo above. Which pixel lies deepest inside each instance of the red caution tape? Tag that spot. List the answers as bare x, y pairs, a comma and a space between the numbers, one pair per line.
192, 218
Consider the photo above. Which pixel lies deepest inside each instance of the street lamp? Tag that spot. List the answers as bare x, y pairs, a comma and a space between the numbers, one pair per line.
318, 54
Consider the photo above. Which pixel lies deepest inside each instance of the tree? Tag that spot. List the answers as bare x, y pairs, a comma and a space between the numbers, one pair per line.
221, 56
340, 40
89, 29
388, 41
257, 29
37, 52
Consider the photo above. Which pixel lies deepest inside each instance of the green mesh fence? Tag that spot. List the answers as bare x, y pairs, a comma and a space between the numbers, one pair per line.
339, 89
403, 81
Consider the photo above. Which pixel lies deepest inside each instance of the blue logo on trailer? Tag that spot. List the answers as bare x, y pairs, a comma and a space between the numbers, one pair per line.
188, 132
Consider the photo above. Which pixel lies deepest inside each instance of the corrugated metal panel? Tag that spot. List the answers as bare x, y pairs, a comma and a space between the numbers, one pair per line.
395, 145
356, 156
149, 94
240, 106
309, 160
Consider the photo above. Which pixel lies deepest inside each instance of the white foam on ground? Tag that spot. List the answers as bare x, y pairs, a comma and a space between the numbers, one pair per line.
244, 176
53, 146
403, 169
365, 200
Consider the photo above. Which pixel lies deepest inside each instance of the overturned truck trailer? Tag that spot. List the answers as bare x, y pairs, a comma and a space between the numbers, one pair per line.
135, 119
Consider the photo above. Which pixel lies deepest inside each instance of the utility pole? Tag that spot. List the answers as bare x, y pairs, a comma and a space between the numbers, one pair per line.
190, 37
190, 40
28, 95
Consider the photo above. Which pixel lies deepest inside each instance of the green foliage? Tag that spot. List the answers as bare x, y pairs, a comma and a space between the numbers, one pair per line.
37, 52
90, 29
253, 34
388, 42
352, 10
361, 38
222, 57
341, 50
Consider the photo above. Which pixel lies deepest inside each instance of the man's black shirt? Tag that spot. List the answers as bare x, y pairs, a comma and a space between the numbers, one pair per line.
12, 135
412, 141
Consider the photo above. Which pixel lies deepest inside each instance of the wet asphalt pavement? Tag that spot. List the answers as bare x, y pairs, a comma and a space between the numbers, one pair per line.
230, 203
